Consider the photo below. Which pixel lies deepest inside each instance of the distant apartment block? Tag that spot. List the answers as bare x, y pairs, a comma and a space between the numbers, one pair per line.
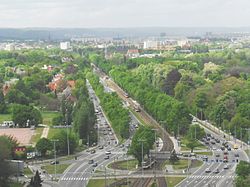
150, 45
65, 45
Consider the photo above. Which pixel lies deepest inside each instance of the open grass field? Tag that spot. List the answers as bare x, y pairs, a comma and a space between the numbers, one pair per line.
48, 117
5, 117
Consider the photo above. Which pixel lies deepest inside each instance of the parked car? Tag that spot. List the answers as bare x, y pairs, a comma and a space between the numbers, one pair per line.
54, 162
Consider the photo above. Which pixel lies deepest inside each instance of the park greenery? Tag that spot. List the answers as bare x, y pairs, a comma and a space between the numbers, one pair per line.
7, 145
243, 177
142, 142
25, 95
213, 86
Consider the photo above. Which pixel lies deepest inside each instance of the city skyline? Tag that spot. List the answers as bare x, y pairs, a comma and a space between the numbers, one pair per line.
120, 14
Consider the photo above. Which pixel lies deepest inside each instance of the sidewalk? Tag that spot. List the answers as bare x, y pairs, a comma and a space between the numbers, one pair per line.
45, 132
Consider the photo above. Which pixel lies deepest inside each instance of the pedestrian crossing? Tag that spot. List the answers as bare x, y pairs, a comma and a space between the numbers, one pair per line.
73, 179
210, 176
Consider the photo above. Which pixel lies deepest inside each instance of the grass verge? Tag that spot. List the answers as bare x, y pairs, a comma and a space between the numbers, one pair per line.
27, 171
99, 182
37, 135
60, 168
208, 153
123, 165
173, 181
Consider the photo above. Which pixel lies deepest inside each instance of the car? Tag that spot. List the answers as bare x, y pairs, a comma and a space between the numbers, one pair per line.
235, 146
92, 151
236, 155
108, 152
192, 154
95, 165
106, 157
91, 161
54, 162
225, 152
216, 171
225, 160
212, 142
217, 140
110, 133
222, 148
214, 148
185, 155
101, 147
226, 166
207, 170
112, 138
217, 155
105, 133
229, 148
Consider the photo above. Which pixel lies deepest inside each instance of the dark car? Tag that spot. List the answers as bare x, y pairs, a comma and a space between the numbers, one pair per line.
95, 165
92, 151
91, 161
216, 171
106, 157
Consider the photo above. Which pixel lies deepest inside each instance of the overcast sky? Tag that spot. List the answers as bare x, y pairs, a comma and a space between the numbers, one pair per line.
124, 13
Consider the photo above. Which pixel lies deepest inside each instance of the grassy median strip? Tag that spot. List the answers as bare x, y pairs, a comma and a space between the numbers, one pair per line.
123, 165
207, 153
60, 168
173, 181
99, 182
183, 164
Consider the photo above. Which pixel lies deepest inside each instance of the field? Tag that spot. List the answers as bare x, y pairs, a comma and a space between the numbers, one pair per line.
173, 181
60, 168
48, 116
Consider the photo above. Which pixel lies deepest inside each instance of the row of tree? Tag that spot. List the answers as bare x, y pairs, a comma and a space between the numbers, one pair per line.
112, 105
167, 110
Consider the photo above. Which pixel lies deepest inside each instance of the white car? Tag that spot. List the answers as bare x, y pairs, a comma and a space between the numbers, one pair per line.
108, 152
207, 170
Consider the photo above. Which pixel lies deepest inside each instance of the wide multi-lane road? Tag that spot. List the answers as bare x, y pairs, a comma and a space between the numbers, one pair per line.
79, 173
215, 171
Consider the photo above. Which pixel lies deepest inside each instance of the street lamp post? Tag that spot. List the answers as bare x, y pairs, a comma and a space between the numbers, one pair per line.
66, 124
155, 155
54, 141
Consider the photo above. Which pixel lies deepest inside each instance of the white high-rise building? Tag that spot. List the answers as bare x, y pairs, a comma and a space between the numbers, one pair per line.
65, 45
10, 47
150, 45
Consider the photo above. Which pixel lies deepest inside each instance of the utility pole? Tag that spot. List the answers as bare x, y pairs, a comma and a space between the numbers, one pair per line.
142, 159
105, 176
67, 123
54, 141
155, 156
127, 170
241, 137
235, 136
